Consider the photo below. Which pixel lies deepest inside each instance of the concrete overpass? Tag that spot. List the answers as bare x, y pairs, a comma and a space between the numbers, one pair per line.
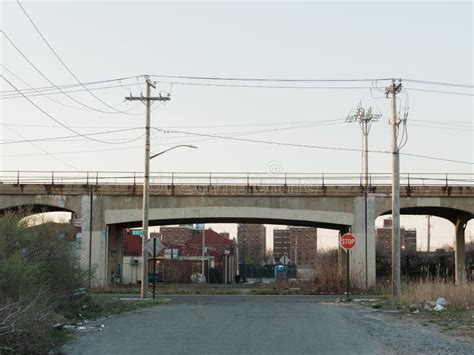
336, 201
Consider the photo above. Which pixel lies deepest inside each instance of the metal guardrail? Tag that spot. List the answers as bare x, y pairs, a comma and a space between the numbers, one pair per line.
229, 178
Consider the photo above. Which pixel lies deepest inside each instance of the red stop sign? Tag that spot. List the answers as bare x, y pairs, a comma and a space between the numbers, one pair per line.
347, 241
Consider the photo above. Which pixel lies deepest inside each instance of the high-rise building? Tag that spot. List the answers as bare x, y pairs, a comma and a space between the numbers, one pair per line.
383, 237
303, 245
281, 242
252, 242
300, 244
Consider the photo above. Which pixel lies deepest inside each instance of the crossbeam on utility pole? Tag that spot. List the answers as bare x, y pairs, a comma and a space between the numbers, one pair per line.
147, 99
392, 91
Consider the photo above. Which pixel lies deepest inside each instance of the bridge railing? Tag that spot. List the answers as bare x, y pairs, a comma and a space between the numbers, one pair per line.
229, 178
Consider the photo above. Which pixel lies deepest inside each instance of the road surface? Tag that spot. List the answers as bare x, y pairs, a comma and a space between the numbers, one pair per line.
195, 324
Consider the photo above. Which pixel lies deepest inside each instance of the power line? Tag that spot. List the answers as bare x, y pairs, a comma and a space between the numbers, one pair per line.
77, 135
63, 63
291, 80
70, 86
468, 86
264, 86
44, 150
192, 126
48, 80
310, 146
440, 92
54, 119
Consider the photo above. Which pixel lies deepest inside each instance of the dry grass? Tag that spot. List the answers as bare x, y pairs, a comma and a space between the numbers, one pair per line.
456, 295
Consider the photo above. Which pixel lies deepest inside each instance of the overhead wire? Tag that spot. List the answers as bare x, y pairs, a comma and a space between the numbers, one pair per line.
43, 150
54, 119
310, 146
76, 135
63, 63
52, 83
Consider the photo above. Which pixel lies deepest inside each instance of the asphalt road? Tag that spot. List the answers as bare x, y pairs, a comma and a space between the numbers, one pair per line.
194, 324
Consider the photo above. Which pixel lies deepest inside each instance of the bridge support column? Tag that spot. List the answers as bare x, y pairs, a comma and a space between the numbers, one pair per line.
363, 254
114, 254
460, 252
94, 240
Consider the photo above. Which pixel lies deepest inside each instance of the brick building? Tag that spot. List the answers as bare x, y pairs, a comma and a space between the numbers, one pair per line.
383, 237
252, 243
281, 242
180, 234
299, 243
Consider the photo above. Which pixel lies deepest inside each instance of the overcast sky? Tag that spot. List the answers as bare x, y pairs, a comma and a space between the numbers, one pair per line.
430, 41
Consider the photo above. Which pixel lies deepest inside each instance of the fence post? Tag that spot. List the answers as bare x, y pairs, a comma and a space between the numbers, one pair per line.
210, 179
248, 180
322, 179
134, 178
52, 177
285, 179
87, 178
97, 178
408, 179
172, 178
447, 183
18, 178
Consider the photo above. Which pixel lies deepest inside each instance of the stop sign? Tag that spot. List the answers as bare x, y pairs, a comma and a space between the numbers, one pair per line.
347, 241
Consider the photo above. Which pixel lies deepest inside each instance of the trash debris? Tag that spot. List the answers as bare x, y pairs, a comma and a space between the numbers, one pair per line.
441, 301
338, 300
415, 311
439, 308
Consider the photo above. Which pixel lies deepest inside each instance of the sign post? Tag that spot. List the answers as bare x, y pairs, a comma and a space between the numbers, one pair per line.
347, 242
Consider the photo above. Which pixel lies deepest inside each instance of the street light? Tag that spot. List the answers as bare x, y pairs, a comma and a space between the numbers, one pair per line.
167, 150
146, 207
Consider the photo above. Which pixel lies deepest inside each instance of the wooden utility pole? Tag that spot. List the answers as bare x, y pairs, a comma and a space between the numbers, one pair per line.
146, 179
393, 90
429, 233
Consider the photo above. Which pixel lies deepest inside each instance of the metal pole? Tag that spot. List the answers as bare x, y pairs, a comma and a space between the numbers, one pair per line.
366, 154
347, 275
90, 237
393, 90
154, 266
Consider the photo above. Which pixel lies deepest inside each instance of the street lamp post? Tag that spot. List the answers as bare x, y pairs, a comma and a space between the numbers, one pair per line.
146, 208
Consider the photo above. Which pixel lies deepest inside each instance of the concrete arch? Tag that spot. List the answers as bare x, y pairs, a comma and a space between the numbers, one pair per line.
459, 218
164, 216
32, 209
449, 213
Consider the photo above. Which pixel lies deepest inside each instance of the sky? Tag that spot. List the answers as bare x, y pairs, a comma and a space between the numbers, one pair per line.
427, 41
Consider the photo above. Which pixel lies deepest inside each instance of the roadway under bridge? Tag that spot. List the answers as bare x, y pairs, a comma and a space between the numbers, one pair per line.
337, 202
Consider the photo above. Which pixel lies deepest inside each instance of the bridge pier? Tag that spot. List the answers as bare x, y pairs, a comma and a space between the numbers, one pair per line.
114, 254
460, 251
363, 255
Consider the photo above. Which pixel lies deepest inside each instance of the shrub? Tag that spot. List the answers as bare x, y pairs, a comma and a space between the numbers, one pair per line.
456, 295
38, 271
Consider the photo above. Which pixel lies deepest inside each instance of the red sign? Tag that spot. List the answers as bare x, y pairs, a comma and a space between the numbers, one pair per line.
347, 241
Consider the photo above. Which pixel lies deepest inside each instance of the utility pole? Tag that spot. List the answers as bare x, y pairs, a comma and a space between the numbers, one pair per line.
429, 232
365, 119
146, 178
393, 90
